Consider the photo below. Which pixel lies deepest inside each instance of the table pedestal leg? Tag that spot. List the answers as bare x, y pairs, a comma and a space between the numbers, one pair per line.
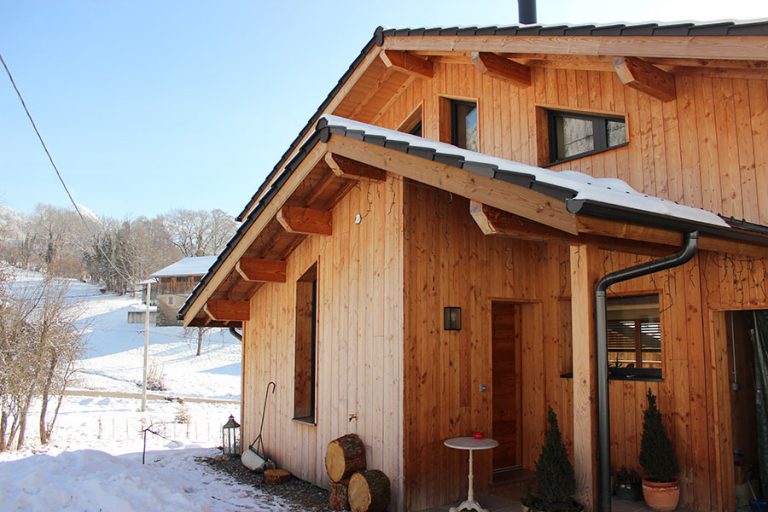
470, 503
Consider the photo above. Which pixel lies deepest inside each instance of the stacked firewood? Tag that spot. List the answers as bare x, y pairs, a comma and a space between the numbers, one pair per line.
353, 486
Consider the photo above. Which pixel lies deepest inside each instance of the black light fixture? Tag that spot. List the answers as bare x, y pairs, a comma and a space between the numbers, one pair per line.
452, 318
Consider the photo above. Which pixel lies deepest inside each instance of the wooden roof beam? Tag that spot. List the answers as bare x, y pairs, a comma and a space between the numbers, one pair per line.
351, 169
645, 77
408, 63
305, 221
493, 221
502, 68
228, 311
521, 201
263, 271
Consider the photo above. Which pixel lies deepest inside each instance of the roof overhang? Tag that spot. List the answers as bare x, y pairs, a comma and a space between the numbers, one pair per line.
719, 48
504, 202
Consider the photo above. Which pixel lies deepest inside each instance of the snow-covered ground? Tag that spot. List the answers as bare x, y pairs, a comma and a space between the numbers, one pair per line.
94, 459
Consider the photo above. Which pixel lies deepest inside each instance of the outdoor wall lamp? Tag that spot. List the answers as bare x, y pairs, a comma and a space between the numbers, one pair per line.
452, 318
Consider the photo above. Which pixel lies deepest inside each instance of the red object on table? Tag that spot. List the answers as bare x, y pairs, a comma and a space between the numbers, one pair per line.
478, 435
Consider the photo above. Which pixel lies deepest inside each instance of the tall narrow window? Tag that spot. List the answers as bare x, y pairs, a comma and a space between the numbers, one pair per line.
305, 362
634, 337
464, 125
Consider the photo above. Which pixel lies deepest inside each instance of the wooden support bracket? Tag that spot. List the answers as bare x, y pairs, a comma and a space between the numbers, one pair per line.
305, 221
265, 271
502, 68
227, 310
493, 221
408, 63
352, 169
645, 77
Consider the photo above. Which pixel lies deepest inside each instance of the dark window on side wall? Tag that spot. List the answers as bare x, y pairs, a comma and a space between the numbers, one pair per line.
464, 125
634, 337
305, 356
573, 135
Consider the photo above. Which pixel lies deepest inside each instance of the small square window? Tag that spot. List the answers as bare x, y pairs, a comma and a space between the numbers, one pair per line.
634, 337
573, 135
464, 125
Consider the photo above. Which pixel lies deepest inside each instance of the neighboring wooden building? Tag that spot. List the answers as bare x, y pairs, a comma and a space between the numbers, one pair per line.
174, 284
362, 235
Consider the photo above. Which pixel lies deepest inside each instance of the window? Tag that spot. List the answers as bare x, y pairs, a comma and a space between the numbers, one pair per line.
573, 135
464, 125
412, 125
305, 356
634, 337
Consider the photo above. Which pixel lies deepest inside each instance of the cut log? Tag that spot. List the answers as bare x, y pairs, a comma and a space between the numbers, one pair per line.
338, 498
344, 456
276, 476
369, 491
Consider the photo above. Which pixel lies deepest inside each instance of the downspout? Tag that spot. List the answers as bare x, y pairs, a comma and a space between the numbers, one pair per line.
236, 334
690, 244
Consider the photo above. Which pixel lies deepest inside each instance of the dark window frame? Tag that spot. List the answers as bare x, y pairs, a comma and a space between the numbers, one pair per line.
640, 372
455, 104
310, 276
599, 133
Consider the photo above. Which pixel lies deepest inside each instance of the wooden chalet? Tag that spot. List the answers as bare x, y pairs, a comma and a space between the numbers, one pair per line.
174, 284
434, 176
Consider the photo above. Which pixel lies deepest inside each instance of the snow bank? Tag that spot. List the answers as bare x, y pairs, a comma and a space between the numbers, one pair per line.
90, 480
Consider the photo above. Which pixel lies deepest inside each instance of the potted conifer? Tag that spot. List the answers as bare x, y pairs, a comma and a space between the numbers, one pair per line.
555, 480
661, 488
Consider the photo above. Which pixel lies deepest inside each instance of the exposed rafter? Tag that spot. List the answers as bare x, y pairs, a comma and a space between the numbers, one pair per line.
305, 221
502, 68
493, 221
228, 311
645, 77
408, 63
352, 169
258, 270
521, 201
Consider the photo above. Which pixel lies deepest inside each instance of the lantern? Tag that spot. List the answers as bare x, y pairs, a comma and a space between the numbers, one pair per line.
230, 442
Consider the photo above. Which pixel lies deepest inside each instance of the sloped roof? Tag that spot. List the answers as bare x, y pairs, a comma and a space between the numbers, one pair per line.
757, 27
190, 266
575, 188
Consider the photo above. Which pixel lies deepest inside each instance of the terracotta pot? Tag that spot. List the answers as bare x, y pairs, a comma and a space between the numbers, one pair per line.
661, 496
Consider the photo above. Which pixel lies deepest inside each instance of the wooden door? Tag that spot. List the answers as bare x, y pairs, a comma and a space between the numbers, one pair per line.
506, 332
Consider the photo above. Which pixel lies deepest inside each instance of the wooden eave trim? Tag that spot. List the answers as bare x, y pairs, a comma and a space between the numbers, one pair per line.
261, 270
514, 199
696, 47
361, 69
493, 221
228, 311
305, 221
269, 212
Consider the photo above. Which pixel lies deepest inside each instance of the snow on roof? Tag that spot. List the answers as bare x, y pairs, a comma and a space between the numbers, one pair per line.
610, 191
191, 266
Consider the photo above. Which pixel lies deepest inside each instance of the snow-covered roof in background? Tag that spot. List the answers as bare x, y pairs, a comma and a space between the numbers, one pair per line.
191, 266
610, 191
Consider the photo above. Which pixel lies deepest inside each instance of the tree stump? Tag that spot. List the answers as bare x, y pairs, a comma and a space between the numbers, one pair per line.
338, 498
344, 456
369, 491
276, 476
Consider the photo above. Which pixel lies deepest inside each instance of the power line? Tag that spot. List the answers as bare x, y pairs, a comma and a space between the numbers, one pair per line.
58, 174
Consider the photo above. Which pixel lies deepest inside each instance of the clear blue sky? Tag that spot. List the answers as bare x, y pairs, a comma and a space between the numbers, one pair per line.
153, 105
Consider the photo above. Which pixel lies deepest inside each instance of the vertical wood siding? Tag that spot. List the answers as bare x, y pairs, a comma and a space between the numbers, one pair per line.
360, 358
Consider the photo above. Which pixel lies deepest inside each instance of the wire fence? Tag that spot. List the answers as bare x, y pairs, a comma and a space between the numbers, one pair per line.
204, 432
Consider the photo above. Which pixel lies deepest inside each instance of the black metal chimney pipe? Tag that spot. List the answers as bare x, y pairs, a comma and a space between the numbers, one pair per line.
526, 10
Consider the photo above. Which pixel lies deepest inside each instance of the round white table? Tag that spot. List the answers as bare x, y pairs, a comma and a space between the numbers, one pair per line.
471, 444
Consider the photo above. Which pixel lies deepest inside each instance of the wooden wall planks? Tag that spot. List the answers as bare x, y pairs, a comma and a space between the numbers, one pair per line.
706, 148
359, 341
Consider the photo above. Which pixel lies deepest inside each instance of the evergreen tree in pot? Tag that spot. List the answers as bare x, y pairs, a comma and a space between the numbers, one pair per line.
555, 480
661, 489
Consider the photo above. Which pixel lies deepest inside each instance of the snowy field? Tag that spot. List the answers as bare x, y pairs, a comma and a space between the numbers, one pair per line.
94, 459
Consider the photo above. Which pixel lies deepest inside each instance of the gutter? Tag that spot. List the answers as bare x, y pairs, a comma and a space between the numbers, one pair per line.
690, 245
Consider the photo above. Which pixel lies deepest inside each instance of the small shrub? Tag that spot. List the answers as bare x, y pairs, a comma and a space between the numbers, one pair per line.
657, 455
182, 415
155, 377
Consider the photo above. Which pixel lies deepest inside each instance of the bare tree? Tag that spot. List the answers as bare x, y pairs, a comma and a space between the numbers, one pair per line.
199, 232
